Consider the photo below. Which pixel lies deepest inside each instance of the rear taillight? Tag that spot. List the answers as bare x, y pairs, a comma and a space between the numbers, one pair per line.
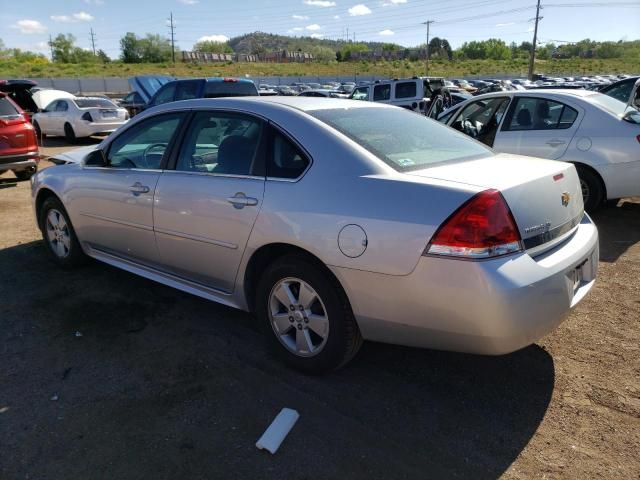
481, 228
638, 138
87, 116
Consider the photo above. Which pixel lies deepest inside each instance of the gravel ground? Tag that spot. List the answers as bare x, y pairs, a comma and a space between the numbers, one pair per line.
105, 375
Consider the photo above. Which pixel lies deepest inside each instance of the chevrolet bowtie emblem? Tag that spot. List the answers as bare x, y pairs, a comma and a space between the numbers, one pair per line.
566, 198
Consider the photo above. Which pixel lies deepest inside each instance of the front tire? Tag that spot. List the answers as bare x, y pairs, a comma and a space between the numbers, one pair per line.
58, 234
69, 134
592, 190
306, 316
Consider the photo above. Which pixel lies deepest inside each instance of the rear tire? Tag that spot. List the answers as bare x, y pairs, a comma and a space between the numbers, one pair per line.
69, 134
592, 190
25, 174
319, 317
58, 234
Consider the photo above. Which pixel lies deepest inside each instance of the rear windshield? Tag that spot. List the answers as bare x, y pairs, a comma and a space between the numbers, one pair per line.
94, 103
230, 89
7, 109
608, 103
405, 140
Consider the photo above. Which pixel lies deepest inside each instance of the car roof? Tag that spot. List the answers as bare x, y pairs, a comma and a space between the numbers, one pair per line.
541, 91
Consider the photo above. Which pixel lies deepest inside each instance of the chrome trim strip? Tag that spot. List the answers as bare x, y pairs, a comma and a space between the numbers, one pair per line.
533, 242
197, 238
213, 174
118, 169
119, 222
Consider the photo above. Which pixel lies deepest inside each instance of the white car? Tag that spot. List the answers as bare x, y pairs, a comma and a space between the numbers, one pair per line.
79, 117
597, 133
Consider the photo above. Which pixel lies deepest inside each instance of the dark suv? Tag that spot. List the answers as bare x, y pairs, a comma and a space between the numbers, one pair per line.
203, 88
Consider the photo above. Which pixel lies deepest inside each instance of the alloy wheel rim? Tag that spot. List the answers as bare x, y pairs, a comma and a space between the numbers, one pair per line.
585, 191
298, 317
58, 233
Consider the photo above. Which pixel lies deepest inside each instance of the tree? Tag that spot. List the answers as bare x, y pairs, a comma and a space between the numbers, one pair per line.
497, 49
473, 50
440, 48
209, 46
155, 48
62, 47
130, 48
104, 58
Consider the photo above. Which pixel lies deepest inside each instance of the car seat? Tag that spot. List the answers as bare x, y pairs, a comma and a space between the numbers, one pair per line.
524, 118
235, 155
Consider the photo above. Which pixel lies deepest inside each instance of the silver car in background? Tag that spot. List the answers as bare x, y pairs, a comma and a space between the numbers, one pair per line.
333, 220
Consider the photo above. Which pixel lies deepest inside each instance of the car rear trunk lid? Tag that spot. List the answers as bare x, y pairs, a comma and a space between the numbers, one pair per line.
543, 195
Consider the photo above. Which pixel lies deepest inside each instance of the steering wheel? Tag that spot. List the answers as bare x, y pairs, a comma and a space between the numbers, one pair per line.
147, 151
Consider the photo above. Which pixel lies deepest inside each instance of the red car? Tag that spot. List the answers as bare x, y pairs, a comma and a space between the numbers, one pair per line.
18, 145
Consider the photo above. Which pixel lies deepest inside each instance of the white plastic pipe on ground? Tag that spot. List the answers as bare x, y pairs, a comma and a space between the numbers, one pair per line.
278, 430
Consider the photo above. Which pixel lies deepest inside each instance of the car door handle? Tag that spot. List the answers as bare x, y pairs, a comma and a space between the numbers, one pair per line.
240, 200
556, 142
137, 188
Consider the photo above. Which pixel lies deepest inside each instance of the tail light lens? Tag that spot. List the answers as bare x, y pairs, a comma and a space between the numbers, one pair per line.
87, 116
483, 227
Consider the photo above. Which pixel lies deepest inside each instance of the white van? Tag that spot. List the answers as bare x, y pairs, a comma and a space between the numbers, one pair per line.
411, 93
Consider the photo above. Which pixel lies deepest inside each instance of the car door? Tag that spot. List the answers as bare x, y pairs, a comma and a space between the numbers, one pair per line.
205, 208
46, 118
114, 202
61, 116
538, 127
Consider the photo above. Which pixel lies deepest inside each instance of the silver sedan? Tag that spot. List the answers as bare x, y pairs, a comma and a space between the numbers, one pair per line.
333, 221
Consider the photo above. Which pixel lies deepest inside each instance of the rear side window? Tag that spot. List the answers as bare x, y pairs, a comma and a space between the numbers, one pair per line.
188, 90
406, 90
6, 108
62, 106
381, 92
540, 114
621, 92
286, 160
165, 94
230, 89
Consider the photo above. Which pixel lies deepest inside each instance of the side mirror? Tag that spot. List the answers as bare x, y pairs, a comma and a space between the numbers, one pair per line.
97, 158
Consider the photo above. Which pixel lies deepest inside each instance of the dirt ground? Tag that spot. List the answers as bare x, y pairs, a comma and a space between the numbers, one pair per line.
105, 375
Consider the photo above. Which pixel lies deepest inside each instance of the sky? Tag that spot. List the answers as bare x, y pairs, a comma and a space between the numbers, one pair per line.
398, 21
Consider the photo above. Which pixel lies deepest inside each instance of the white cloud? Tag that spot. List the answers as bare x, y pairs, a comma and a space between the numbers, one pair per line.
386, 33
313, 27
29, 26
320, 3
189, 2
505, 24
295, 29
390, 3
336, 17
94, 2
360, 9
530, 29
214, 38
300, 17
317, 35
41, 47
73, 18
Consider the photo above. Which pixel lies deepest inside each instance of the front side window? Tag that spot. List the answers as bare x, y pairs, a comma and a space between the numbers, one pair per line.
402, 139
144, 145
286, 160
381, 92
360, 93
165, 94
406, 90
539, 114
480, 119
221, 143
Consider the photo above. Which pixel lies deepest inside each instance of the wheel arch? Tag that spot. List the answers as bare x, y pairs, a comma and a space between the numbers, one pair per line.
265, 256
596, 173
41, 196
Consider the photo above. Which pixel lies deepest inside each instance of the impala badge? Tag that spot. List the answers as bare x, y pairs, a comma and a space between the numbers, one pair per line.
566, 198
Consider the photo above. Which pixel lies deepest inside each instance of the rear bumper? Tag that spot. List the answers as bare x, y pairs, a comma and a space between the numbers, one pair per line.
19, 162
86, 129
487, 307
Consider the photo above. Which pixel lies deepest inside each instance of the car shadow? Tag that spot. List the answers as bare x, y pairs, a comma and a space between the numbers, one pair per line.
143, 381
619, 229
49, 142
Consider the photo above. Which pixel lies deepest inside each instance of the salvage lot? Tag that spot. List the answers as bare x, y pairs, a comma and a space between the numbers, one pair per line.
161, 384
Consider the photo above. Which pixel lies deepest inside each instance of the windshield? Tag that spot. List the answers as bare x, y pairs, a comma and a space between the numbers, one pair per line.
94, 103
405, 140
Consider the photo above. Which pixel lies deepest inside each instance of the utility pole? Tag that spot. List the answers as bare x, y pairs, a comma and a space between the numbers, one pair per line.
426, 62
173, 43
532, 57
51, 47
93, 41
